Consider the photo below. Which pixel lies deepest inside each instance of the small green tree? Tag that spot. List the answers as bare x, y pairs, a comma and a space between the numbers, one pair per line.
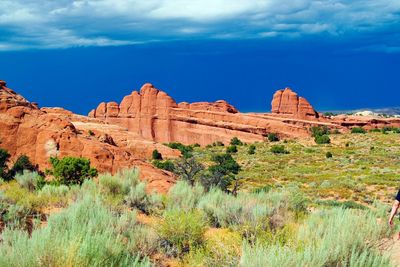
156, 155
329, 155
236, 142
4, 157
188, 169
252, 150
22, 163
273, 137
222, 174
70, 170
231, 149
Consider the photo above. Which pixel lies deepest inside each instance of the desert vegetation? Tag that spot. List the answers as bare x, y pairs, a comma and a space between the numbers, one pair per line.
296, 208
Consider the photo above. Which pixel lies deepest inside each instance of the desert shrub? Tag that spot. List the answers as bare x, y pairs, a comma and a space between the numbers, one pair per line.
273, 137
14, 216
396, 130
236, 142
319, 130
30, 180
327, 238
156, 155
85, 234
254, 215
358, 130
328, 155
322, 139
188, 169
222, 247
181, 231
186, 151
231, 149
4, 157
343, 204
138, 198
279, 149
143, 240
21, 196
184, 197
164, 165
113, 185
91, 133
252, 150
70, 170
21, 164
375, 130
55, 195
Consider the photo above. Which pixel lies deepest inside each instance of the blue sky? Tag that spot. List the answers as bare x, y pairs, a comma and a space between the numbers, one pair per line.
339, 54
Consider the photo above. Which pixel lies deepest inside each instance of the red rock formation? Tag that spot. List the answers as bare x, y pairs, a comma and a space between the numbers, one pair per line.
218, 106
41, 134
287, 102
155, 116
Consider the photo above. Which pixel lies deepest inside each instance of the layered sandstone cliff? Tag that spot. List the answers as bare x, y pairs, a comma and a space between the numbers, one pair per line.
44, 133
156, 116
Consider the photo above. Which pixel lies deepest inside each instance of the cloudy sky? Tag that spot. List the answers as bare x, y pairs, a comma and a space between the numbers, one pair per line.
63, 23
335, 35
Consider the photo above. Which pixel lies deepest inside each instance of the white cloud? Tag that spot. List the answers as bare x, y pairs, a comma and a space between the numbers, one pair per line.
66, 23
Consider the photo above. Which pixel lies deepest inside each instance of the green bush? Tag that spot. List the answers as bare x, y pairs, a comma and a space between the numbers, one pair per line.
358, 130
156, 155
30, 180
322, 139
236, 142
319, 130
327, 238
279, 149
4, 157
231, 149
273, 137
181, 231
184, 197
252, 150
22, 163
329, 155
85, 234
164, 165
186, 151
70, 170
375, 130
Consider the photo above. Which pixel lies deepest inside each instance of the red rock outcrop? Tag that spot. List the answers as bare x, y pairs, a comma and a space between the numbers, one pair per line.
155, 116
41, 134
218, 106
287, 102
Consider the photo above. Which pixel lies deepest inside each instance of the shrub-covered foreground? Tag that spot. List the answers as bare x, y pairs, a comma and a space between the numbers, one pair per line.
113, 221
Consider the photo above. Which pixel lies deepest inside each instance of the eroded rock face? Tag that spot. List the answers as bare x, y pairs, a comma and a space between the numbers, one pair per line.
155, 116
218, 106
287, 102
41, 134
